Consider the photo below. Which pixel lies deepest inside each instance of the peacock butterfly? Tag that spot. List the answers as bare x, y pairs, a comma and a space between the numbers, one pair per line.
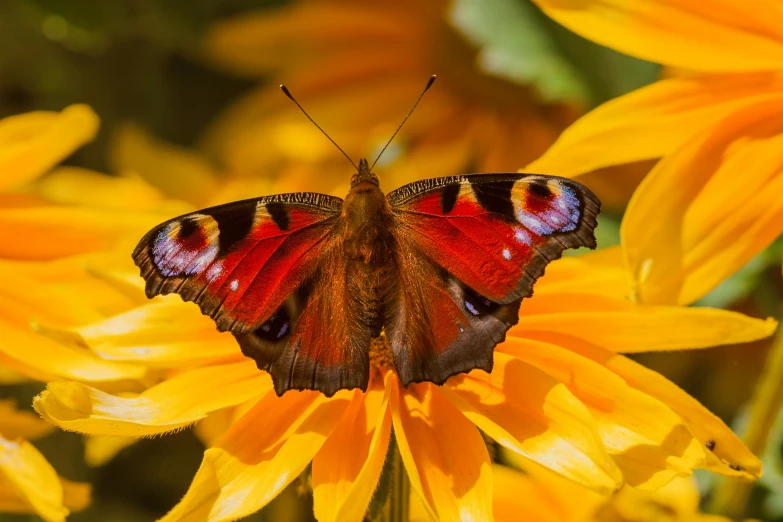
305, 281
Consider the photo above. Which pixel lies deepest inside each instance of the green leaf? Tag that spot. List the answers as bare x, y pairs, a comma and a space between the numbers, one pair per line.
518, 42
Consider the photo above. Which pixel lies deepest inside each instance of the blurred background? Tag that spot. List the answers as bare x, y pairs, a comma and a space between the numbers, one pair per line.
191, 86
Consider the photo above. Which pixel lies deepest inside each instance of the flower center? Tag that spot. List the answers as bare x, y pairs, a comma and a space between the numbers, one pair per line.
380, 353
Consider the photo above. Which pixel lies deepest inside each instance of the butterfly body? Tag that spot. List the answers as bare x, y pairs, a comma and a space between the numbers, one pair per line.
306, 281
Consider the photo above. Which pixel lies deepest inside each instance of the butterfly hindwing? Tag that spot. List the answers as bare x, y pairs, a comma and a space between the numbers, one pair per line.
318, 339
438, 327
239, 261
469, 250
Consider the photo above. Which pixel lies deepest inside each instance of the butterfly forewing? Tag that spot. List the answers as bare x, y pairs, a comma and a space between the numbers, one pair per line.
490, 235
239, 261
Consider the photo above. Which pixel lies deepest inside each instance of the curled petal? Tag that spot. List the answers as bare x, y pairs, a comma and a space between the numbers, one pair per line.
647, 440
444, 454
170, 405
706, 210
651, 122
720, 36
32, 143
645, 328
260, 455
163, 333
535, 415
346, 470
729, 456
54, 361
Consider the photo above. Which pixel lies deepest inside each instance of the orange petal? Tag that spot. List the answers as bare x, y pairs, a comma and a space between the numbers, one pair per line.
27, 478
704, 425
346, 470
165, 332
694, 221
645, 328
650, 122
170, 405
260, 455
21, 424
444, 454
54, 361
28, 233
533, 414
720, 36
32, 143
646, 439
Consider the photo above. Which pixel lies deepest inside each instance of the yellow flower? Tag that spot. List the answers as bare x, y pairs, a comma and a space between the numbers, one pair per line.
713, 201
558, 395
541, 496
357, 67
51, 229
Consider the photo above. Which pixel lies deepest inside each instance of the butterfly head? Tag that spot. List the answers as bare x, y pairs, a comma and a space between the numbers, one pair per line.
364, 175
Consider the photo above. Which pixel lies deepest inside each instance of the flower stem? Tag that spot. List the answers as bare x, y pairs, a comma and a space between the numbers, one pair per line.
731, 495
390, 503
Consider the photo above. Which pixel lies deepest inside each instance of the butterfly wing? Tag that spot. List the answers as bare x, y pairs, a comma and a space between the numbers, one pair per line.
316, 340
239, 261
469, 250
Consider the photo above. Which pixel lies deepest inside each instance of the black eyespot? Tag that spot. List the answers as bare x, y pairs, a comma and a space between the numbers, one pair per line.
710, 445
187, 227
541, 189
276, 327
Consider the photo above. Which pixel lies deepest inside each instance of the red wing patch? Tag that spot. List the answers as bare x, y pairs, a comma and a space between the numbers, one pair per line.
315, 341
239, 261
496, 232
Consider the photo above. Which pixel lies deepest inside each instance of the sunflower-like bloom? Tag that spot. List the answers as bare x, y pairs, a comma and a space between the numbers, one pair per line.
559, 395
713, 201
357, 66
542, 496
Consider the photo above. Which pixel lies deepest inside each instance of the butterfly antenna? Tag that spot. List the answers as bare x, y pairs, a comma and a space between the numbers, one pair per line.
426, 88
288, 93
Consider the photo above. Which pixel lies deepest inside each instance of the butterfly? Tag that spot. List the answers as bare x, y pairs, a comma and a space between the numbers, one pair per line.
306, 281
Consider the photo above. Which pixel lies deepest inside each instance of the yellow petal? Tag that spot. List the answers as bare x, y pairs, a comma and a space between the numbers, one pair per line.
21, 424
601, 272
26, 474
721, 35
650, 122
595, 318
533, 414
76, 495
179, 173
444, 454
346, 470
29, 233
703, 424
55, 361
98, 449
24, 300
260, 455
165, 333
77, 186
646, 439
694, 221
170, 405
32, 143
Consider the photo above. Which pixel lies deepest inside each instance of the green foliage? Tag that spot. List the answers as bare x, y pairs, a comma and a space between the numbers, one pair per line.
520, 43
